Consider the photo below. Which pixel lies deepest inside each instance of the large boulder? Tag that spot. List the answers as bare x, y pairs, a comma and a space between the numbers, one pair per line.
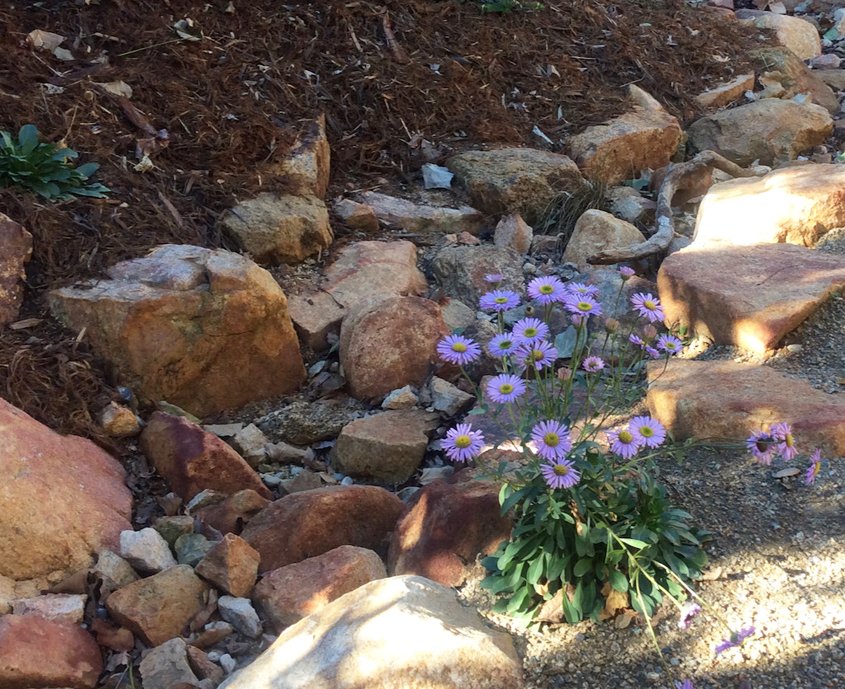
771, 290
423, 218
390, 343
205, 330
192, 460
426, 541
312, 522
597, 231
36, 652
646, 137
515, 180
399, 632
15, 250
768, 130
797, 34
784, 75
794, 204
44, 530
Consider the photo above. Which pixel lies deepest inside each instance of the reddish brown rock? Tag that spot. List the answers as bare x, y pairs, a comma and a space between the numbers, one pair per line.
794, 204
724, 399
233, 513
15, 250
646, 137
231, 565
47, 530
358, 216
771, 290
192, 460
204, 330
36, 652
288, 594
389, 344
312, 522
445, 528
159, 607
514, 234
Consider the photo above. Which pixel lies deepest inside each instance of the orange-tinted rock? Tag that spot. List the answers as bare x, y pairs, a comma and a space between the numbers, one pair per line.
445, 528
204, 330
288, 594
646, 137
192, 460
15, 250
44, 529
724, 399
36, 652
231, 515
358, 216
159, 607
514, 234
794, 204
771, 290
231, 565
389, 344
312, 522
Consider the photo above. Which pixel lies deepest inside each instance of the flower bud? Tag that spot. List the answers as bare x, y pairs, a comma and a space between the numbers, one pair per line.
564, 373
611, 325
649, 332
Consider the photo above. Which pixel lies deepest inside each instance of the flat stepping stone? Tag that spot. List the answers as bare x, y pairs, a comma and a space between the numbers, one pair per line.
749, 296
727, 400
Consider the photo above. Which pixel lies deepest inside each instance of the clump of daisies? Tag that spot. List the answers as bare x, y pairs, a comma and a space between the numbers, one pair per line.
590, 517
777, 443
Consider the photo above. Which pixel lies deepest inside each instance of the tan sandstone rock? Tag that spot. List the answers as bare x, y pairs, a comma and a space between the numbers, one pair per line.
287, 594
784, 75
513, 233
725, 399
423, 218
795, 204
312, 522
45, 530
515, 180
358, 216
768, 130
192, 460
797, 34
387, 344
231, 565
402, 632
646, 137
205, 330
597, 231
306, 166
726, 93
36, 652
274, 228
15, 250
159, 607
772, 289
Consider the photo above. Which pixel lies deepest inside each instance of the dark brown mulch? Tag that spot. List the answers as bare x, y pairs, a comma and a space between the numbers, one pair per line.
232, 102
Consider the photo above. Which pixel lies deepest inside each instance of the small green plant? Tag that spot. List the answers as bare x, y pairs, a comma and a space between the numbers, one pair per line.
506, 6
45, 167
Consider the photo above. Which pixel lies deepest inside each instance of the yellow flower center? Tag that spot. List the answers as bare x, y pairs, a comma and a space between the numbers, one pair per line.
551, 439
626, 437
462, 441
459, 347
501, 300
646, 431
561, 469
649, 304
789, 440
546, 289
506, 388
585, 306
537, 355
530, 332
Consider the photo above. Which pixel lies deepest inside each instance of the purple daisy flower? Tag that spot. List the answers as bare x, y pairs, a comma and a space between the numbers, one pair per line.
648, 431
552, 440
499, 300
686, 684
652, 352
502, 345
782, 434
530, 330
762, 446
626, 273
581, 289
457, 349
505, 388
623, 443
537, 354
635, 339
735, 639
669, 344
493, 278
593, 364
814, 468
546, 290
688, 612
462, 443
560, 474
648, 306
583, 305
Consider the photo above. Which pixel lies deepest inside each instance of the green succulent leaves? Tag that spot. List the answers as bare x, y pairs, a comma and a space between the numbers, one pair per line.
45, 168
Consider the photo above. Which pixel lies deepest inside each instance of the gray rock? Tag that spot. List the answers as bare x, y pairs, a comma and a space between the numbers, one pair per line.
146, 551
59, 607
171, 528
285, 453
423, 218
436, 176
250, 442
241, 615
304, 423
449, 399
113, 571
456, 314
191, 548
460, 270
166, 666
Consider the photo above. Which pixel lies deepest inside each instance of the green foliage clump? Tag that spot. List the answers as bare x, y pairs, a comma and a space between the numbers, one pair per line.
506, 6
45, 167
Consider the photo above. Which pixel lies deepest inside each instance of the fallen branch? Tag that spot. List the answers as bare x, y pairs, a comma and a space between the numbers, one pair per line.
672, 182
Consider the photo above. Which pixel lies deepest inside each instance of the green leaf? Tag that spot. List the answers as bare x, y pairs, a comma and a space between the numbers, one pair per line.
28, 138
87, 169
635, 543
581, 567
536, 569
565, 342
618, 581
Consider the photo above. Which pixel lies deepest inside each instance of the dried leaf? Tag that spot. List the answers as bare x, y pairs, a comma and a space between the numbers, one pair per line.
116, 88
44, 39
552, 609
